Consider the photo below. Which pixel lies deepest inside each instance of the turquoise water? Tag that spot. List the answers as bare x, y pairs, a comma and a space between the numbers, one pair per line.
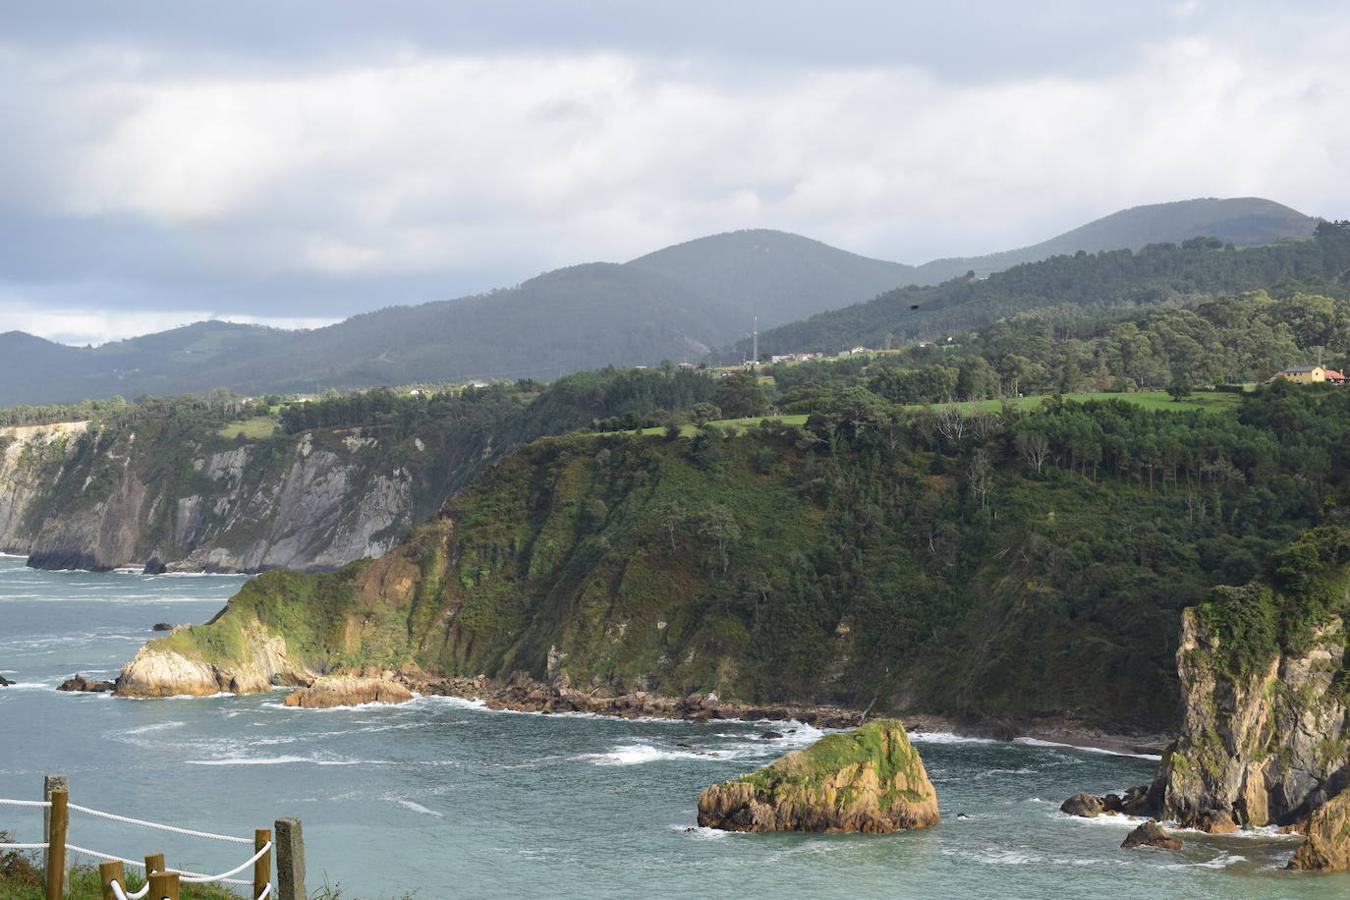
448, 801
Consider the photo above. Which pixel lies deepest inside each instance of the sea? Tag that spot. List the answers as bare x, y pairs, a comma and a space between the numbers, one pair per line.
440, 798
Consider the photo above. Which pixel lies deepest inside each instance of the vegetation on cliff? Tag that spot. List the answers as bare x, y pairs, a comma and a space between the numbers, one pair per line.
870, 780
1006, 565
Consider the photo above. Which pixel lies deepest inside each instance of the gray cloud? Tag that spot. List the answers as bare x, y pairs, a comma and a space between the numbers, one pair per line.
310, 160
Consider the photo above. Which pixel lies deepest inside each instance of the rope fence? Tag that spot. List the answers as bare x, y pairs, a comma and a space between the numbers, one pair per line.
161, 883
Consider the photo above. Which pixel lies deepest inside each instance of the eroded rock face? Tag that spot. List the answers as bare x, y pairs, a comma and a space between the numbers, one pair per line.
1327, 847
867, 780
160, 670
348, 690
1151, 834
1266, 747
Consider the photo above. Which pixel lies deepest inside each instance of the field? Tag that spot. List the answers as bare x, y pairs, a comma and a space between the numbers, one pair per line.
255, 428
1154, 400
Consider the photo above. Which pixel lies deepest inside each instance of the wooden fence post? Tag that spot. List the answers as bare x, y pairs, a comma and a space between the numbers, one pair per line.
154, 863
53, 783
56, 845
108, 872
262, 868
290, 847
162, 885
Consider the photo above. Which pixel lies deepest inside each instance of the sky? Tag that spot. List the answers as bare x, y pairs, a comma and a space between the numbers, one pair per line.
295, 163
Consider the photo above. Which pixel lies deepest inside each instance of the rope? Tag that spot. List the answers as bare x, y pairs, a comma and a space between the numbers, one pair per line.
45, 804
170, 828
197, 878
123, 895
108, 856
267, 892
42, 846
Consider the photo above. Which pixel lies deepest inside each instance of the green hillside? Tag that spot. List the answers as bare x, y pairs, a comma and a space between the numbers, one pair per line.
1014, 566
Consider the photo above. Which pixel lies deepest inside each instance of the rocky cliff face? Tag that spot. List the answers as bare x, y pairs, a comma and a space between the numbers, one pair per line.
1265, 746
1265, 730
71, 497
868, 780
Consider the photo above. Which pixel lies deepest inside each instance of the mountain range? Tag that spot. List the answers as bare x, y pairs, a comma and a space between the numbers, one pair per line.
677, 303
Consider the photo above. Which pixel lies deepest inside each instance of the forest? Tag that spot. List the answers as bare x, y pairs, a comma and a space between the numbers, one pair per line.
1112, 282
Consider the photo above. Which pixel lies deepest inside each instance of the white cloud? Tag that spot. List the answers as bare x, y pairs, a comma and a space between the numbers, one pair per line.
414, 163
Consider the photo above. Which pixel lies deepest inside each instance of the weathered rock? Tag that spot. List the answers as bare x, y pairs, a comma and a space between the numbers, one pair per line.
348, 690
154, 566
1151, 834
5, 682
1257, 747
1327, 847
160, 670
161, 626
1087, 806
868, 780
78, 683
771, 736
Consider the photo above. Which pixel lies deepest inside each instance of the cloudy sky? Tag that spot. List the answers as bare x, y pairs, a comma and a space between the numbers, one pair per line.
296, 162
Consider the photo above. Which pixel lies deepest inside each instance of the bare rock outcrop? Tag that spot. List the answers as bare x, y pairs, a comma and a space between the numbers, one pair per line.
1151, 834
1327, 847
1261, 746
348, 690
77, 683
868, 780
160, 669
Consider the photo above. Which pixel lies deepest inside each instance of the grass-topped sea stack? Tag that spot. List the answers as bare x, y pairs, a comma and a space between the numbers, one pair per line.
868, 780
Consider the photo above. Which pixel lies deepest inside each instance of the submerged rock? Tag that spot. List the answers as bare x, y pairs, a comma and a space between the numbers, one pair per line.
1151, 834
78, 683
161, 626
1087, 806
5, 682
1327, 847
867, 780
348, 690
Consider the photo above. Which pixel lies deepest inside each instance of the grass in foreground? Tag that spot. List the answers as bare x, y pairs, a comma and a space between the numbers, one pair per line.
21, 879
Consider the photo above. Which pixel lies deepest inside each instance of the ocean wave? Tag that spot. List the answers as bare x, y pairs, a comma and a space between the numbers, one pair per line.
284, 761
944, 737
1037, 742
702, 832
1222, 861
639, 754
154, 726
417, 807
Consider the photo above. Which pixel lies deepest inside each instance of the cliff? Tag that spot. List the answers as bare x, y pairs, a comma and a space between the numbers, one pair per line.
1265, 735
757, 567
74, 496
868, 780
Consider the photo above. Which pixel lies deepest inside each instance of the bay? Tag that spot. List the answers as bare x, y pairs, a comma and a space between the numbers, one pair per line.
441, 799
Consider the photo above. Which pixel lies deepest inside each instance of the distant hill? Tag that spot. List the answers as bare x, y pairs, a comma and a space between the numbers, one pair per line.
676, 303
1108, 283
1241, 221
772, 274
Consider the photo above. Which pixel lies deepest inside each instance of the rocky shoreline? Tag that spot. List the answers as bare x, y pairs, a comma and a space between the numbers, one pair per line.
523, 694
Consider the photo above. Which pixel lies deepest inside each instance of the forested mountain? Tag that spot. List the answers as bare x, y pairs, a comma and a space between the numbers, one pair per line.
1241, 221
1110, 282
676, 303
